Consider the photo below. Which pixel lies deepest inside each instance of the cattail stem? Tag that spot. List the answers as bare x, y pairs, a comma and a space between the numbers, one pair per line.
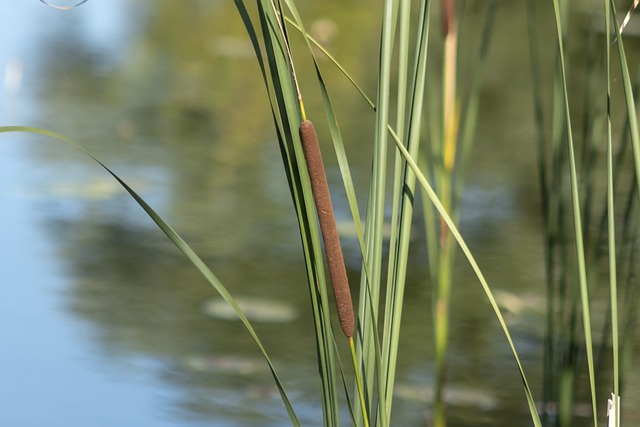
327, 221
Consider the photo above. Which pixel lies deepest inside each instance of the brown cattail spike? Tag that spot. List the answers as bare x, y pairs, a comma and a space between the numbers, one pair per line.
327, 221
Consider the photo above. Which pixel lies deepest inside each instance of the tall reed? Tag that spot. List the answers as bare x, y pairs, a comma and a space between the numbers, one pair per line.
453, 122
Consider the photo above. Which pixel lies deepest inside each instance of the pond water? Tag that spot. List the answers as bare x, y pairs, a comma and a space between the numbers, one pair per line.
104, 323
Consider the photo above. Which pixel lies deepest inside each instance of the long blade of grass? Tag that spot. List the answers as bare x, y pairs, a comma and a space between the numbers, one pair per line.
613, 281
395, 292
473, 103
370, 289
629, 98
546, 172
331, 58
345, 386
334, 128
405, 199
580, 254
183, 247
474, 265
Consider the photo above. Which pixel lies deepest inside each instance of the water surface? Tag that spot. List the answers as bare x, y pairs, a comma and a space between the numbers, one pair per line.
104, 322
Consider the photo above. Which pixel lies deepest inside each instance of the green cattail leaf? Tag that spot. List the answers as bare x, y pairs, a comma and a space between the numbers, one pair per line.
629, 98
577, 218
613, 278
474, 265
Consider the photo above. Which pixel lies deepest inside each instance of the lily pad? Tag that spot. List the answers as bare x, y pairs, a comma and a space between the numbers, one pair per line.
230, 364
453, 395
256, 309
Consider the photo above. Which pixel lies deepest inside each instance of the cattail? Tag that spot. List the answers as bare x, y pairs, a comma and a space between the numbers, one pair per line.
327, 221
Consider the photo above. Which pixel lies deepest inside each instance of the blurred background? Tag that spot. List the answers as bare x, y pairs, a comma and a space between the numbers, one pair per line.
103, 322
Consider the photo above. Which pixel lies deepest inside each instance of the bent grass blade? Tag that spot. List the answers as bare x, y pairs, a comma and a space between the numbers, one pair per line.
183, 247
467, 252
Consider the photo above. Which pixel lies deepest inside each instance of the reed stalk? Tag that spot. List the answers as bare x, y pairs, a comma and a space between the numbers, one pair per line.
445, 262
614, 420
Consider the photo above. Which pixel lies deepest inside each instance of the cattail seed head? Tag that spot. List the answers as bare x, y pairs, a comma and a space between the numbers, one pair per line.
326, 218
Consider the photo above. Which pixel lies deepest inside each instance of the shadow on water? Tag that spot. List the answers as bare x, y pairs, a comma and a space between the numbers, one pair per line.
180, 110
